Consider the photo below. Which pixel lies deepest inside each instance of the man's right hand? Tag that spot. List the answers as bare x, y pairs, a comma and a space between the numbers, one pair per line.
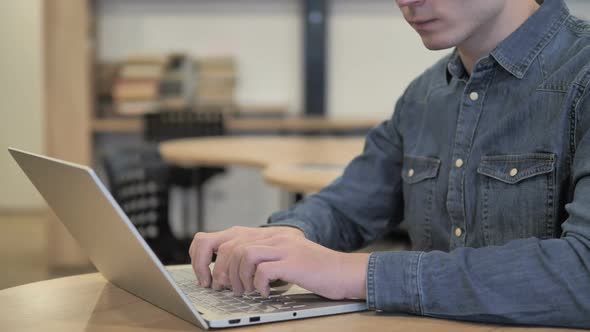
223, 244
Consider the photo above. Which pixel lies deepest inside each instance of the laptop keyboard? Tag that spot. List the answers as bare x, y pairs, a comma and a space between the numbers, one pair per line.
224, 301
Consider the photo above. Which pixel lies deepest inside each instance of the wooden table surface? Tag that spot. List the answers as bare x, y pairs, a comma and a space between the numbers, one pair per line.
261, 151
302, 178
89, 303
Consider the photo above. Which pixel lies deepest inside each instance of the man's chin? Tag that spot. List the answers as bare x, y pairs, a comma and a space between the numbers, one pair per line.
435, 44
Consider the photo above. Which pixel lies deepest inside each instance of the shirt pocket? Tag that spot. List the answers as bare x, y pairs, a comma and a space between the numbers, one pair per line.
419, 176
516, 196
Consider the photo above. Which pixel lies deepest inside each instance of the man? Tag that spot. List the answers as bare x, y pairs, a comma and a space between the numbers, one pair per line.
487, 161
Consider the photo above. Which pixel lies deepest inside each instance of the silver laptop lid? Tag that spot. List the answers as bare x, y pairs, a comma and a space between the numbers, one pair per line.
95, 220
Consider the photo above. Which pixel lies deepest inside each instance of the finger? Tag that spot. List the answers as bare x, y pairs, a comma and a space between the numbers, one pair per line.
220, 270
233, 269
247, 251
251, 257
190, 253
204, 244
267, 272
232, 264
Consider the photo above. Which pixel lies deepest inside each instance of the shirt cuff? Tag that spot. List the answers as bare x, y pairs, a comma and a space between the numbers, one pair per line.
393, 282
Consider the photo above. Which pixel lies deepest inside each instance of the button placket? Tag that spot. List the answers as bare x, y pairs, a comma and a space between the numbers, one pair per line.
467, 121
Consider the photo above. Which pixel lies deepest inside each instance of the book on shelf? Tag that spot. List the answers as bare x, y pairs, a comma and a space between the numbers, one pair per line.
174, 81
154, 59
105, 77
177, 84
134, 71
137, 88
127, 90
216, 81
173, 104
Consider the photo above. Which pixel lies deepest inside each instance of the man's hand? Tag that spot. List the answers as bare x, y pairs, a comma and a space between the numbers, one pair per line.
249, 259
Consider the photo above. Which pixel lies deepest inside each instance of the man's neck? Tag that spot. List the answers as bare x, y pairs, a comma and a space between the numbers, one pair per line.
487, 38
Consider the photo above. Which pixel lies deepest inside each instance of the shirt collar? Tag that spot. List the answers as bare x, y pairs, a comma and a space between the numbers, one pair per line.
517, 52
455, 67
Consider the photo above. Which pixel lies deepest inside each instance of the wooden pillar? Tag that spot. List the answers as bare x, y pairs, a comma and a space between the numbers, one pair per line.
67, 86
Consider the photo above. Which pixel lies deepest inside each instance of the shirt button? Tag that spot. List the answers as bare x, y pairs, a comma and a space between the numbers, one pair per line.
411, 172
459, 163
513, 172
458, 232
474, 96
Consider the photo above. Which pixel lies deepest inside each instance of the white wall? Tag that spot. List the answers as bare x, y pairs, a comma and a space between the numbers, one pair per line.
374, 55
21, 97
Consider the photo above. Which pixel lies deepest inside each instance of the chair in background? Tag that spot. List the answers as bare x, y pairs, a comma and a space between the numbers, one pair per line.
167, 125
138, 180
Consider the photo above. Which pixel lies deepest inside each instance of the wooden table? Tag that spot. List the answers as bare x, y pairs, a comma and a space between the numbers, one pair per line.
261, 152
302, 178
89, 303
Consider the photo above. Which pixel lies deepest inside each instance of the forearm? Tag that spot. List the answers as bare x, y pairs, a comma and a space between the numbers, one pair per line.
362, 204
321, 224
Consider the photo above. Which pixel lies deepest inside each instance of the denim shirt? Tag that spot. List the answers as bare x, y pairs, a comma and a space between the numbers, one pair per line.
490, 173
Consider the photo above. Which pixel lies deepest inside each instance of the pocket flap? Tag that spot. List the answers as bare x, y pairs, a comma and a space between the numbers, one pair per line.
512, 169
416, 169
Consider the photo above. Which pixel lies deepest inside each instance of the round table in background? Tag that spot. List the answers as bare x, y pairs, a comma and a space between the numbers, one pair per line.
260, 151
302, 178
294, 164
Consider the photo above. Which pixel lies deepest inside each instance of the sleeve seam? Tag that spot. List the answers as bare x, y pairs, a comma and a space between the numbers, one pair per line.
419, 284
371, 302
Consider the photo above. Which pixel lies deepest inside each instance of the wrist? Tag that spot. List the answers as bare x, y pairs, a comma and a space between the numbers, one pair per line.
291, 230
355, 270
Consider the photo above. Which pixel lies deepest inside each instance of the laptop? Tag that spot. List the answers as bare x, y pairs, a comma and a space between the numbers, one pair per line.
95, 220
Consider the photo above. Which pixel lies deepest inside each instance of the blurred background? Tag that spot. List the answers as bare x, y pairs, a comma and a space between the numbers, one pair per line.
104, 82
